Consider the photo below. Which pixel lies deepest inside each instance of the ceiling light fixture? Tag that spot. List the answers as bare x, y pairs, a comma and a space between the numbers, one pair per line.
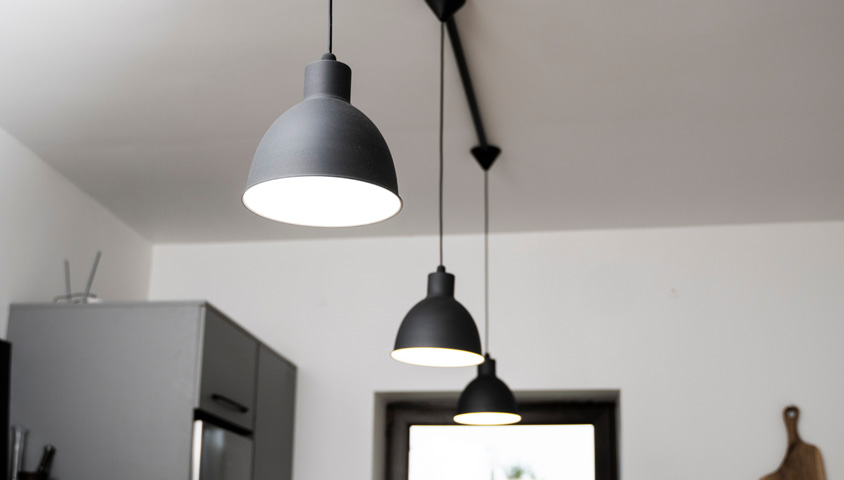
323, 163
439, 331
487, 400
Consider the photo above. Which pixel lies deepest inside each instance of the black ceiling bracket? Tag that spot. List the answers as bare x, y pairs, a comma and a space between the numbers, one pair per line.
444, 9
484, 153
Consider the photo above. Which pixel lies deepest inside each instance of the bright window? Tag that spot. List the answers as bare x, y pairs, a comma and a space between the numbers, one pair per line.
556, 440
518, 452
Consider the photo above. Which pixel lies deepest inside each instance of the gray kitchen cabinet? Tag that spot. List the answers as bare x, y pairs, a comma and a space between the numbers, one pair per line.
118, 388
229, 359
275, 407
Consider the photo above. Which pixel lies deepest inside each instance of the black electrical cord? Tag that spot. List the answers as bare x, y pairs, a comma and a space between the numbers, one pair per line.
486, 260
442, 83
330, 25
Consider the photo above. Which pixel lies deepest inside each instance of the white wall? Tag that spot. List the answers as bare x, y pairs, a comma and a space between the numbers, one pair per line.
707, 332
45, 219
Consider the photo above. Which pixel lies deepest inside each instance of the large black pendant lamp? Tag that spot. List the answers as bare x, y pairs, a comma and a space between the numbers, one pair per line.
487, 400
323, 163
439, 331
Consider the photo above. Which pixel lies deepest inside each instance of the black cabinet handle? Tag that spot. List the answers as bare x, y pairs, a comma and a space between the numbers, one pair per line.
229, 403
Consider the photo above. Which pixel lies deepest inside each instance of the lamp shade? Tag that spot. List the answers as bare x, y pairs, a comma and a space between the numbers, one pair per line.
438, 331
487, 400
323, 163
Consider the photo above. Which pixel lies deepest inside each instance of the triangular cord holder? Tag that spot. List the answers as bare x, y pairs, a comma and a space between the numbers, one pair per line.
486, 155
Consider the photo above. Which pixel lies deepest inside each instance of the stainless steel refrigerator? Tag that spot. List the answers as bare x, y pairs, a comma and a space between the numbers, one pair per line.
220, 454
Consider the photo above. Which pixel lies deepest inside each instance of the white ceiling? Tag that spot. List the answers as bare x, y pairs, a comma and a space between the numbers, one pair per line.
610, 114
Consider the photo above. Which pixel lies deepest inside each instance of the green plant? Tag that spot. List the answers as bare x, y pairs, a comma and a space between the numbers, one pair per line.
519, 472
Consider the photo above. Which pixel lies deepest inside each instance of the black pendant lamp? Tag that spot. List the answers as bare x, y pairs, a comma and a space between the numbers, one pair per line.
439, 331
323, 163
487, 400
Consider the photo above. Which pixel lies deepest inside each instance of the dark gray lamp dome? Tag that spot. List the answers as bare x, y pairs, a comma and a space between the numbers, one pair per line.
323, 163
487, 400
438, 331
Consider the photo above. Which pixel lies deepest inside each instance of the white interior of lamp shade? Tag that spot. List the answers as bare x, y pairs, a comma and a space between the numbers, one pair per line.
487, 418
322, 201
437, 357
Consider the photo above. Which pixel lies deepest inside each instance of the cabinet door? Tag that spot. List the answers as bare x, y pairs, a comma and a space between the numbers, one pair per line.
274, 417
227, 386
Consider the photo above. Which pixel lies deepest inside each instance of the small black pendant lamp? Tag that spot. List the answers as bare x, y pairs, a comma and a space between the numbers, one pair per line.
487, 400
323, 163
439, 331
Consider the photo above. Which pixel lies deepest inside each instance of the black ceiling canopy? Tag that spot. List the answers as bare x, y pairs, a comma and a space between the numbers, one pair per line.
444, 9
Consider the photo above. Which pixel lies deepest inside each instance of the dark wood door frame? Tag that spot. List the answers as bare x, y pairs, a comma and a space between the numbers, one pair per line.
602, 415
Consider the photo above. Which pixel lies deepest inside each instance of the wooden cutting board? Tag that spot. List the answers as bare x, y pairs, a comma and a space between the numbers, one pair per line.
802, 461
